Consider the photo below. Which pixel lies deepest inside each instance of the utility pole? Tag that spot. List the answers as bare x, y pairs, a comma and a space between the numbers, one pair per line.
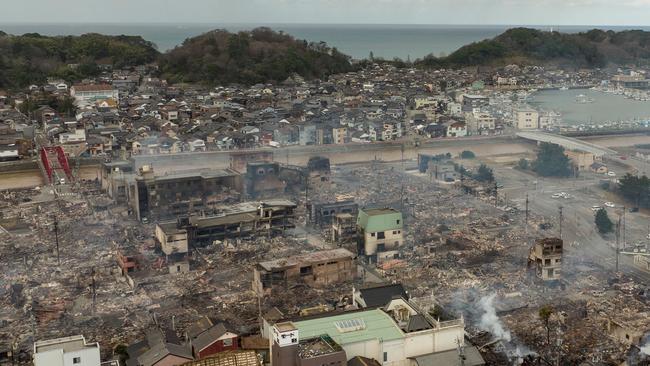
618, 242
561, 221
94, 288
56, 238
496, 194
526, 211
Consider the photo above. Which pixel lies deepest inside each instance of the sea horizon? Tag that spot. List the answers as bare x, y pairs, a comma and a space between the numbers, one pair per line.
404, 41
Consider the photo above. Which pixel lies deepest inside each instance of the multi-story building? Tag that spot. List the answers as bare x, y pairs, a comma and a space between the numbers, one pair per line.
380, 233
322, 213
545, 258
181, 193
93, 92
394, 335
316, 269
66, 351
339, 135
526, 118
234, 221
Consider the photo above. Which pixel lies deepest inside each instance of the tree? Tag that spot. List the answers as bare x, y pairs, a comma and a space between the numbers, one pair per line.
603, 223
545, 313
634, 188
523, 164
551, 161
466, 154
484, 174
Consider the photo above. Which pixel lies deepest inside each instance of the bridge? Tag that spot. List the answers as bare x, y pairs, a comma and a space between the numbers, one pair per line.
569, 143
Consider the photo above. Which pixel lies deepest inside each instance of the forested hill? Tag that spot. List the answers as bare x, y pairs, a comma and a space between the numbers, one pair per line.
595, 48
31, 58
257, 56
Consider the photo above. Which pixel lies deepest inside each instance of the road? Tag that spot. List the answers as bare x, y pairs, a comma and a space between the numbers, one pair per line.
578, 217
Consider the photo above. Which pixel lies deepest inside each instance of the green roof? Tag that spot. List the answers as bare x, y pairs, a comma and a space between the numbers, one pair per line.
380, 219
378, 325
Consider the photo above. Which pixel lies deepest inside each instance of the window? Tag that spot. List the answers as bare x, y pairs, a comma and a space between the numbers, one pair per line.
76, 360
394, 232
372, 234
397, 222
380, 235
227, 342
385, 356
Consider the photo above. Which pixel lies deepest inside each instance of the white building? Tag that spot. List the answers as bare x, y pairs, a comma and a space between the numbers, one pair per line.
393, 335
93, 92
549, 120
79, 135
67, 351
526, 119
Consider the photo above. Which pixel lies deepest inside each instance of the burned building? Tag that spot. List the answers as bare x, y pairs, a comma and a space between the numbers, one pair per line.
240, 159
319, 173
379, 233
545, 258
317, 269
182, 193
262, 180
344, 228
230, 222
322, 214
115, 177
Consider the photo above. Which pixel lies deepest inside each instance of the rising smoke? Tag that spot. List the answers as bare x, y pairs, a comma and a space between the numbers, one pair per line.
490, 321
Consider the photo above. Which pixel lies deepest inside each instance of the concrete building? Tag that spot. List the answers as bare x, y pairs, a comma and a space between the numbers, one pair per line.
262, 180
322, 213
339, 135
231, 222
93, 92
66, 351
474, 101
526, 119
318, 173
479, 123
182, 192
581, 160
394, 335
240, 159
344, 228
380, 233
545, 258
315, 269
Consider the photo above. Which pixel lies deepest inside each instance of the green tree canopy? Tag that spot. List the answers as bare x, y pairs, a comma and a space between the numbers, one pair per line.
635, 188
551, 161
603, 223
484, 174
466, 154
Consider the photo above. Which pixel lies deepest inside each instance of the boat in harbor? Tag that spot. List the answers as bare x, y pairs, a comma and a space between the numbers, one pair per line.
583, 99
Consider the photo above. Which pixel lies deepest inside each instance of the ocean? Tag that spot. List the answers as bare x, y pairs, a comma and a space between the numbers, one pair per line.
357, 40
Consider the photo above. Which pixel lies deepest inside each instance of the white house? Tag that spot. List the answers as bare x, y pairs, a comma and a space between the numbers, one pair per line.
93, 92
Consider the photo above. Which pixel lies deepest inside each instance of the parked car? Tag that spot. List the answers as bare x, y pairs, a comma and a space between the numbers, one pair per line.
634, 209
611, 174
610, 204
595, 208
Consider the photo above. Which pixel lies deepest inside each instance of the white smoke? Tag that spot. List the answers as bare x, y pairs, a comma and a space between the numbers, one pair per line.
645, 349
490, 321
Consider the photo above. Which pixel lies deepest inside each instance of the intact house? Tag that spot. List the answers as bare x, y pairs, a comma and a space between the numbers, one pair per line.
206, 338
93, 92
379, 234
66, 351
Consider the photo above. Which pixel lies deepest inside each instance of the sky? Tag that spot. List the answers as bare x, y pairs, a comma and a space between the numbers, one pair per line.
499, 12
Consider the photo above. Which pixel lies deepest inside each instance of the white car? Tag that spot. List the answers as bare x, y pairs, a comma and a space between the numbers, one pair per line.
556, 195
611, 174
610, 204
595, 208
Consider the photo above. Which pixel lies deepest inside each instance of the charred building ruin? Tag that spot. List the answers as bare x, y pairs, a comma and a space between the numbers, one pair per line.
263, 180
319, 174
182, 193
231, 222
545, 258
317, 269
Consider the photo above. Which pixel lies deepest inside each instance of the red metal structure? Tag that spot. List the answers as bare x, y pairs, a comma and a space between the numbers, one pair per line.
55, 163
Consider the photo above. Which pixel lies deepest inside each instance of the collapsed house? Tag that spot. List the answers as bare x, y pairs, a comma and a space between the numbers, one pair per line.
545, 258
316, 269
